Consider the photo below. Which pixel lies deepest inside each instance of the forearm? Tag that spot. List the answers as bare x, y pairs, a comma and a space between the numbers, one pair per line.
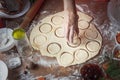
69, 5
70, 11
70, 19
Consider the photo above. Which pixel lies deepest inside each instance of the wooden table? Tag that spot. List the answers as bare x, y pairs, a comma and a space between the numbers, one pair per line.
98, 10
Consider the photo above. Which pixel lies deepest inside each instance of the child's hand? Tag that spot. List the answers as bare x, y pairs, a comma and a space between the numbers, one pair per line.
70, 25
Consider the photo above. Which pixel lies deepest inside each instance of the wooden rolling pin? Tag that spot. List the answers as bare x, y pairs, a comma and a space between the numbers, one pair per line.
31, 14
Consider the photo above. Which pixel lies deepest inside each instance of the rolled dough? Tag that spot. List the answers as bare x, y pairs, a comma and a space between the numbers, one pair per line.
53, 44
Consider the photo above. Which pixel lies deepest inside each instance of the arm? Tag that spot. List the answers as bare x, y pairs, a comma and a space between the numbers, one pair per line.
70, 19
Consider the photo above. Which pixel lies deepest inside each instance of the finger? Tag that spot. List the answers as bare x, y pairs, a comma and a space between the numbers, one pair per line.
66, 32
71, 34
76, 27
77, 30
67, 35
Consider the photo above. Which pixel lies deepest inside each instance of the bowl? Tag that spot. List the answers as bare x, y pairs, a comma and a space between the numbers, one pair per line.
113, 11
25, 8
3, 70
116, 53
6, 39
91, 71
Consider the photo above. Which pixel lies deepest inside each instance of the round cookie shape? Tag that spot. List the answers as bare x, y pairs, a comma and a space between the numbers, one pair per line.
82, 24
91, 34
66, 60
53, 48
81, 54
39, 40
93, 46
59, 32
45, 28
57, 20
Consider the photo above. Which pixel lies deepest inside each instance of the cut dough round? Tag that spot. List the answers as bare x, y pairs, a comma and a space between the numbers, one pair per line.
83, 24
93, 46
54, 48
45, 28
59, 32
91, 34
81, 55
66, 58
57, 20
39, 40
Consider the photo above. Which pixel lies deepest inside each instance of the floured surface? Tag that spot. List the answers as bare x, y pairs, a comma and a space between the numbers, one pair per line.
48, 37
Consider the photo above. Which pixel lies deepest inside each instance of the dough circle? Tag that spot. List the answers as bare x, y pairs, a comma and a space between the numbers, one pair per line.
45, 28
82, 24
81, 55
66, 58
91, 34
39, 40
54, 48
93, 46
57, 20
59, 32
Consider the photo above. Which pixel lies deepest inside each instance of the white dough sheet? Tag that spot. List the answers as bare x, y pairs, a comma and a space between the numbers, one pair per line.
48, 37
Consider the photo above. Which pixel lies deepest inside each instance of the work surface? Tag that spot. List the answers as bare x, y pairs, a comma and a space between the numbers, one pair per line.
49, 67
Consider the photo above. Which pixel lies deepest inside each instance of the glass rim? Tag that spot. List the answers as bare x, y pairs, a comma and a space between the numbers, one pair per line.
18, 33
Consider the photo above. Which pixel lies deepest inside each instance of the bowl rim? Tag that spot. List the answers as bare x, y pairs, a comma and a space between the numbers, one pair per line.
25, 9
110, 16
4, 68
11, 40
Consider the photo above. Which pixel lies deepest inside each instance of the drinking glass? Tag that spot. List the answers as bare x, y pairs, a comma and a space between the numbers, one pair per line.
22, 43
